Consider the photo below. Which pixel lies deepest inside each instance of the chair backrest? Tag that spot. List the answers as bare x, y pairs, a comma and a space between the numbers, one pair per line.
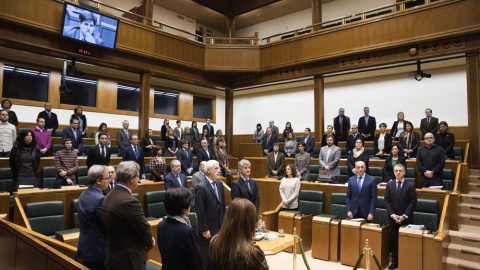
377, 173
316, 152
448, 179
310, 202
58, 133
370, 152
426, 213
280, 139
49, 176
299, 138
94, 134
114, 149
46, 217
193, 220
74, 210
137, 196
314, 172
82, 173
343, 153
458, 152
148, 171
338, 205
154, 206
56, 147
86, 148
157, 137
343, 178
6, 180
381, 215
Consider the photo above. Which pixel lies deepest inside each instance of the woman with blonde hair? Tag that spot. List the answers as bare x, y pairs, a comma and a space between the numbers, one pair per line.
232, 247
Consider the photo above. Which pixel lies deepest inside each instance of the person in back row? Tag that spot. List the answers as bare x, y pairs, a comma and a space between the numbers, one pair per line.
446, 140
42, 136
430, 162
367, 125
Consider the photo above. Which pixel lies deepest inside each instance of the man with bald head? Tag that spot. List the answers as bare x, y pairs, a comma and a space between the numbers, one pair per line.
361, 194
51, 121
430, 162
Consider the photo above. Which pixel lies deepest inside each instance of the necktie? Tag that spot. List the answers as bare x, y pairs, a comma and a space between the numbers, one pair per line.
359, 183
186, 153
49, 115
248, 184
399, 187
135, 151
126, 133
206, 150
75, 134
275, 157
366, 120
354, 135
268, 139
428, 121
215, 189
102, 151
341, 120
179, 181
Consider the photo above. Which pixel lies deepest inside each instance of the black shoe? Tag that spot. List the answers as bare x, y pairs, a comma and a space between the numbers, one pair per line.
393, 266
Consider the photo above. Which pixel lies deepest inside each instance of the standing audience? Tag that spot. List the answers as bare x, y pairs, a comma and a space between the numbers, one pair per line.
220, 154
164, 129
350, 145
309, 142
199, 176
24, 160
82, 120
275, 162
398, 126
123, 137
42, 137
357, 154
135, 153
51, 120
148, 143
158, 165
383, 142
429, 123
185, 156
194, 131
446, 140
394, 159
75, 135
329, 158
290, 146
99, 154
302, 163
267, 142
12, 116
361, 194
258, 134
430, 162
103, 128
289, 189
189, 138
329, 133
210, 130
175, 178
288, 129
244, 186
367, 125
341, 125
274, 128
66, 164
177, 131
204, 153
219, 135
409, 142
171, 144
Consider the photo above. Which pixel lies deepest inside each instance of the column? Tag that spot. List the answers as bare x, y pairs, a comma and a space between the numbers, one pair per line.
318, 95
230, 27
316, 13
229, 119
144, 106
473, 102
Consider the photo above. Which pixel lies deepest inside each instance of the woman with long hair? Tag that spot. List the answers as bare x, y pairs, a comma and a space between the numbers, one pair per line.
82, 120
232, 247
12, 117
446, 140
194, 131
357, 154
204, 136
302, 163
288, 129
289, 189
164, 129
394, 159
258, 134
171, 143
24, 160
158, 165
290, 145
148, 143
398, 126
103, 128
409, 142
220, 154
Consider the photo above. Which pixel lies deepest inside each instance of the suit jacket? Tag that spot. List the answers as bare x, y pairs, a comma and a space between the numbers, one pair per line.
178, 246
240, 190
50, 122
366, 199
148, 152
367, 128
278, 166
210, 209
403, 204
331, 160
351, 161
432, 128
394, 129
310, 144
211, 131
447, 142
388, 168
129, 235
171, 181
128, 154
275, 132
268, 144
341, 130
95, 158
202, 155
185, 160
387, 147
178, 132
351, 142
76, 144
92, 243
197, 178
324, 139
122, 140
414, 141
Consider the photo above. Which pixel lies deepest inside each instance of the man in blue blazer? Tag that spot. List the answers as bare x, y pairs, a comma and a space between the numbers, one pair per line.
210, 206
361, 194
135, 153
244, 186
175, 178
309, 141
75, 135
92, 243
185, 156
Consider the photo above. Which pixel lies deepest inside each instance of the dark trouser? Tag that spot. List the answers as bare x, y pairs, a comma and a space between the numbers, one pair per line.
203, 244
95, 265
5, 154
394, 227
359, 214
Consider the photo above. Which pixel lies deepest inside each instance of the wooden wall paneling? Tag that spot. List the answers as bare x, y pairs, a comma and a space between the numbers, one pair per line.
1, 79
54, 82
235, 58
319, 100
106, 96
130, 36
229, 119
46, 15
185, 107
144, 106
4, 205
27, 254
473, 97
7, 242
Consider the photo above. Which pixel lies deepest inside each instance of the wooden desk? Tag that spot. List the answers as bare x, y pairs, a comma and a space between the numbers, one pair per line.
335, 241
321, 237
154, 253
350, 246
69, 238
5, 204
378, 240
276, 245
410, 249
286, 221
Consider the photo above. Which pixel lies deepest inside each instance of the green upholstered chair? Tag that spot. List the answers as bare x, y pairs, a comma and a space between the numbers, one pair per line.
157, 138
377, 173
114, 149
154, 206
343, 178
137, 196
338, 205
56, 147
58, 133
46, 217
314, 172
458, 152
49, 176
316, 152
311, 202
74, 210
426, 213
448, 179
6, 179
148, 172
411, 175
86, 148
93, 134
280, 139
381, 215
82, 173
370, 152
343, 153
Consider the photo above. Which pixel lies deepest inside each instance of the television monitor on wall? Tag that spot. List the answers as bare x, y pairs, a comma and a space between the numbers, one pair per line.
89, 26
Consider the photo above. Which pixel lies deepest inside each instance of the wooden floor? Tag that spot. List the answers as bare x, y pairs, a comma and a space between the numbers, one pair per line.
284, 261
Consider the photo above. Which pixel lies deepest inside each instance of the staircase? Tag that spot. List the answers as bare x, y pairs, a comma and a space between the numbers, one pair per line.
464, 246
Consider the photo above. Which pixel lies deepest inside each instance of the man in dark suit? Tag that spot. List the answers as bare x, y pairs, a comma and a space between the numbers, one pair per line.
123, 137
51, 121
111, 183
275, 162
350, 145
367, 125
267, 142
430, 162
175, 178
329, 133
100, 154
92, 243
204, 153
341, 125
129, 235
429, 123
211, 131
135, 153
245, 187
75, 135
361, 194
309, 141
210, 207
400, 202
185, 156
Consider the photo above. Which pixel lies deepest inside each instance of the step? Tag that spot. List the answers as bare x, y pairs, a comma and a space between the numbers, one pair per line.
467, 228
470, 198
474, 179
473, 187
467, 219
464, 252
453, 263
474, 172
469, 208
469, 239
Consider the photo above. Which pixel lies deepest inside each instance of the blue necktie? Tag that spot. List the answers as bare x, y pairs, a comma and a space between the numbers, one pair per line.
179, 181
399, 188
248, 184
359, 184
366, 120
135, 151
215, 189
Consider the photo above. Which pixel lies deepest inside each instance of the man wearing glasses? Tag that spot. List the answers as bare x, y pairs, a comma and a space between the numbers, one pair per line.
430, 162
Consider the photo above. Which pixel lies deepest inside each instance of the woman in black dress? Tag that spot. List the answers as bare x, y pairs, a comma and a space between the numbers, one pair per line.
357, 154
24, 160
446, 140
165, 127
409, 142
147, 143
391, 161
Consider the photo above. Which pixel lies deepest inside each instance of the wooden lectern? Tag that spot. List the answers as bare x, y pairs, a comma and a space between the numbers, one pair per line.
350, 247
335, 240
378, 239
288, 220
410, 248
321, 237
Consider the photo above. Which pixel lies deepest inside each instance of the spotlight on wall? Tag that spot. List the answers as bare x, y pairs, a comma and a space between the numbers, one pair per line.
419, 74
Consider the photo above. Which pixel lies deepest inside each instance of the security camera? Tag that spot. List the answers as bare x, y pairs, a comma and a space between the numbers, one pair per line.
419, 74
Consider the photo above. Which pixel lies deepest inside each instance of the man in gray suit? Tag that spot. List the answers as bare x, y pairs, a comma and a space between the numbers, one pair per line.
123, 137
200, 175
328, 159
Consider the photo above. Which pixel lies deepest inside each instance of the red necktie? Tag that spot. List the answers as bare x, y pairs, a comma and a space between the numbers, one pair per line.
428, 121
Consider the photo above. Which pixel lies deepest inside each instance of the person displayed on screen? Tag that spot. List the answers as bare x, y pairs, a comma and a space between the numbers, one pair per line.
85, 31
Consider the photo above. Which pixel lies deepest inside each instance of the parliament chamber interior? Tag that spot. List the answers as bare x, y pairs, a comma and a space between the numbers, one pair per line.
237, 65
